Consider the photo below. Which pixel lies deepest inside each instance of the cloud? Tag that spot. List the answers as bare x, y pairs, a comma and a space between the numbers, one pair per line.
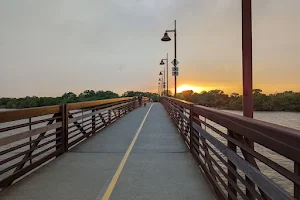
51, 47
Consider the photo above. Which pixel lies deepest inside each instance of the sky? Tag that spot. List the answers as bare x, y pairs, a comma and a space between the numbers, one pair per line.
49, 47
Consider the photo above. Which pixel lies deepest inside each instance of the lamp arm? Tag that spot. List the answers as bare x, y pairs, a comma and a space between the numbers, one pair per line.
170, 30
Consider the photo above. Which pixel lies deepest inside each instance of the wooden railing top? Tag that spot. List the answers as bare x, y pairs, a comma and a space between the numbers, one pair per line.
86, 104
12, 115
180, 100
182, 103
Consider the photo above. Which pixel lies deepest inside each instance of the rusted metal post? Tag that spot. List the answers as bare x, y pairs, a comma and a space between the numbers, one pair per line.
231, 146
66, 127
30, 139
64, 130
60, 131
296, 186
196, 144
134, 104
109, 116
247, 69
93, 120
247, 59
191, 126
207, 156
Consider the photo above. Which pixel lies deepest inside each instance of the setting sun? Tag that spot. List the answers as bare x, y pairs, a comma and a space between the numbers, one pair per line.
189, 87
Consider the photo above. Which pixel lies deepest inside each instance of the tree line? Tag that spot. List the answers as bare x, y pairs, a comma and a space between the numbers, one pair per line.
70, 97
284, 101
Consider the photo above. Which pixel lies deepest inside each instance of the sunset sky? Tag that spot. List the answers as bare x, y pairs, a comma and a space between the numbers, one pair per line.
56, 46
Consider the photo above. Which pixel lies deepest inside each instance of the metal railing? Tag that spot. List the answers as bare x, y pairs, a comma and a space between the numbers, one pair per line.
221, 142
31, 137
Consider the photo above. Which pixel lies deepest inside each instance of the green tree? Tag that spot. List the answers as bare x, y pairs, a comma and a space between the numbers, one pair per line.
284, 101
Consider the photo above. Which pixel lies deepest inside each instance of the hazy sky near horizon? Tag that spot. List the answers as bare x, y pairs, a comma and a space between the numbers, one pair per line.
48, 47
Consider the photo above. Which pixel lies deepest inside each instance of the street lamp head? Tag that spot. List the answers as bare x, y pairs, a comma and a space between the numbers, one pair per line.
166, 38
159, 80
162, 62
160, 73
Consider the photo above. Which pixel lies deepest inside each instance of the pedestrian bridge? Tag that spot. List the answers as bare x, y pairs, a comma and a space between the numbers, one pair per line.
113, 149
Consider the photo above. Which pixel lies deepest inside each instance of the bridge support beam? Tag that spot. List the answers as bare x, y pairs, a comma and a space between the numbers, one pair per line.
247, 59
247, 69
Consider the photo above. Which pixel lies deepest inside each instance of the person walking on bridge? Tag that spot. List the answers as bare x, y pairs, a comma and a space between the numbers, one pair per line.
140, 99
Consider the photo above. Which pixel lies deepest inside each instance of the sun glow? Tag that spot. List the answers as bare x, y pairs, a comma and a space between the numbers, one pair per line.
189, 87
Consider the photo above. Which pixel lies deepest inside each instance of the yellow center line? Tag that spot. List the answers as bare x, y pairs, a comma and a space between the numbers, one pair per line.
115, 178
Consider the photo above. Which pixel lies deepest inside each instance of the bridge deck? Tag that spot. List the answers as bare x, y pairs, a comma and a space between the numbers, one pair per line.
158, 167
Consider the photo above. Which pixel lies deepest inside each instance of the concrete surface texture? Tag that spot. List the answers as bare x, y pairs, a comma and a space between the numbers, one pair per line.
158, 167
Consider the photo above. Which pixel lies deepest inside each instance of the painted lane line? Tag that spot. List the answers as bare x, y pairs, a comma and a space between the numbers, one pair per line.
115, 178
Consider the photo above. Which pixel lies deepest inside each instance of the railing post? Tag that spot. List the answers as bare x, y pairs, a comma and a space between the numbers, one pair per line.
30, 139
133, 104
109, 116
207, 155
60, 142
296, 186
127, 108
231, 176
130, 107
191, 127
93, 120
65, 127
195, 145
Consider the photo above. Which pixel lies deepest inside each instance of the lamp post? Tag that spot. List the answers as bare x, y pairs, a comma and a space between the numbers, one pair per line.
166, 38
160, 86
163, 80
162, 63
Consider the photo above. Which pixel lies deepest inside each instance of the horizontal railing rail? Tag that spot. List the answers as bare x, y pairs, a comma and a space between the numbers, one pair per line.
84, 119
219, 141
34, 136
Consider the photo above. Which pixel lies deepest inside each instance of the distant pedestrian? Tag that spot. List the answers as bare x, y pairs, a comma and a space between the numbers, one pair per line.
140, 100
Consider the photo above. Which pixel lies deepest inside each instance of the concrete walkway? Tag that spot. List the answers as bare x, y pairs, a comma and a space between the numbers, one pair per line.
158, 167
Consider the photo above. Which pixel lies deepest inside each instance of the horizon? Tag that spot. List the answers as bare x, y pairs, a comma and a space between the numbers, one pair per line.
178, 91
48, 48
